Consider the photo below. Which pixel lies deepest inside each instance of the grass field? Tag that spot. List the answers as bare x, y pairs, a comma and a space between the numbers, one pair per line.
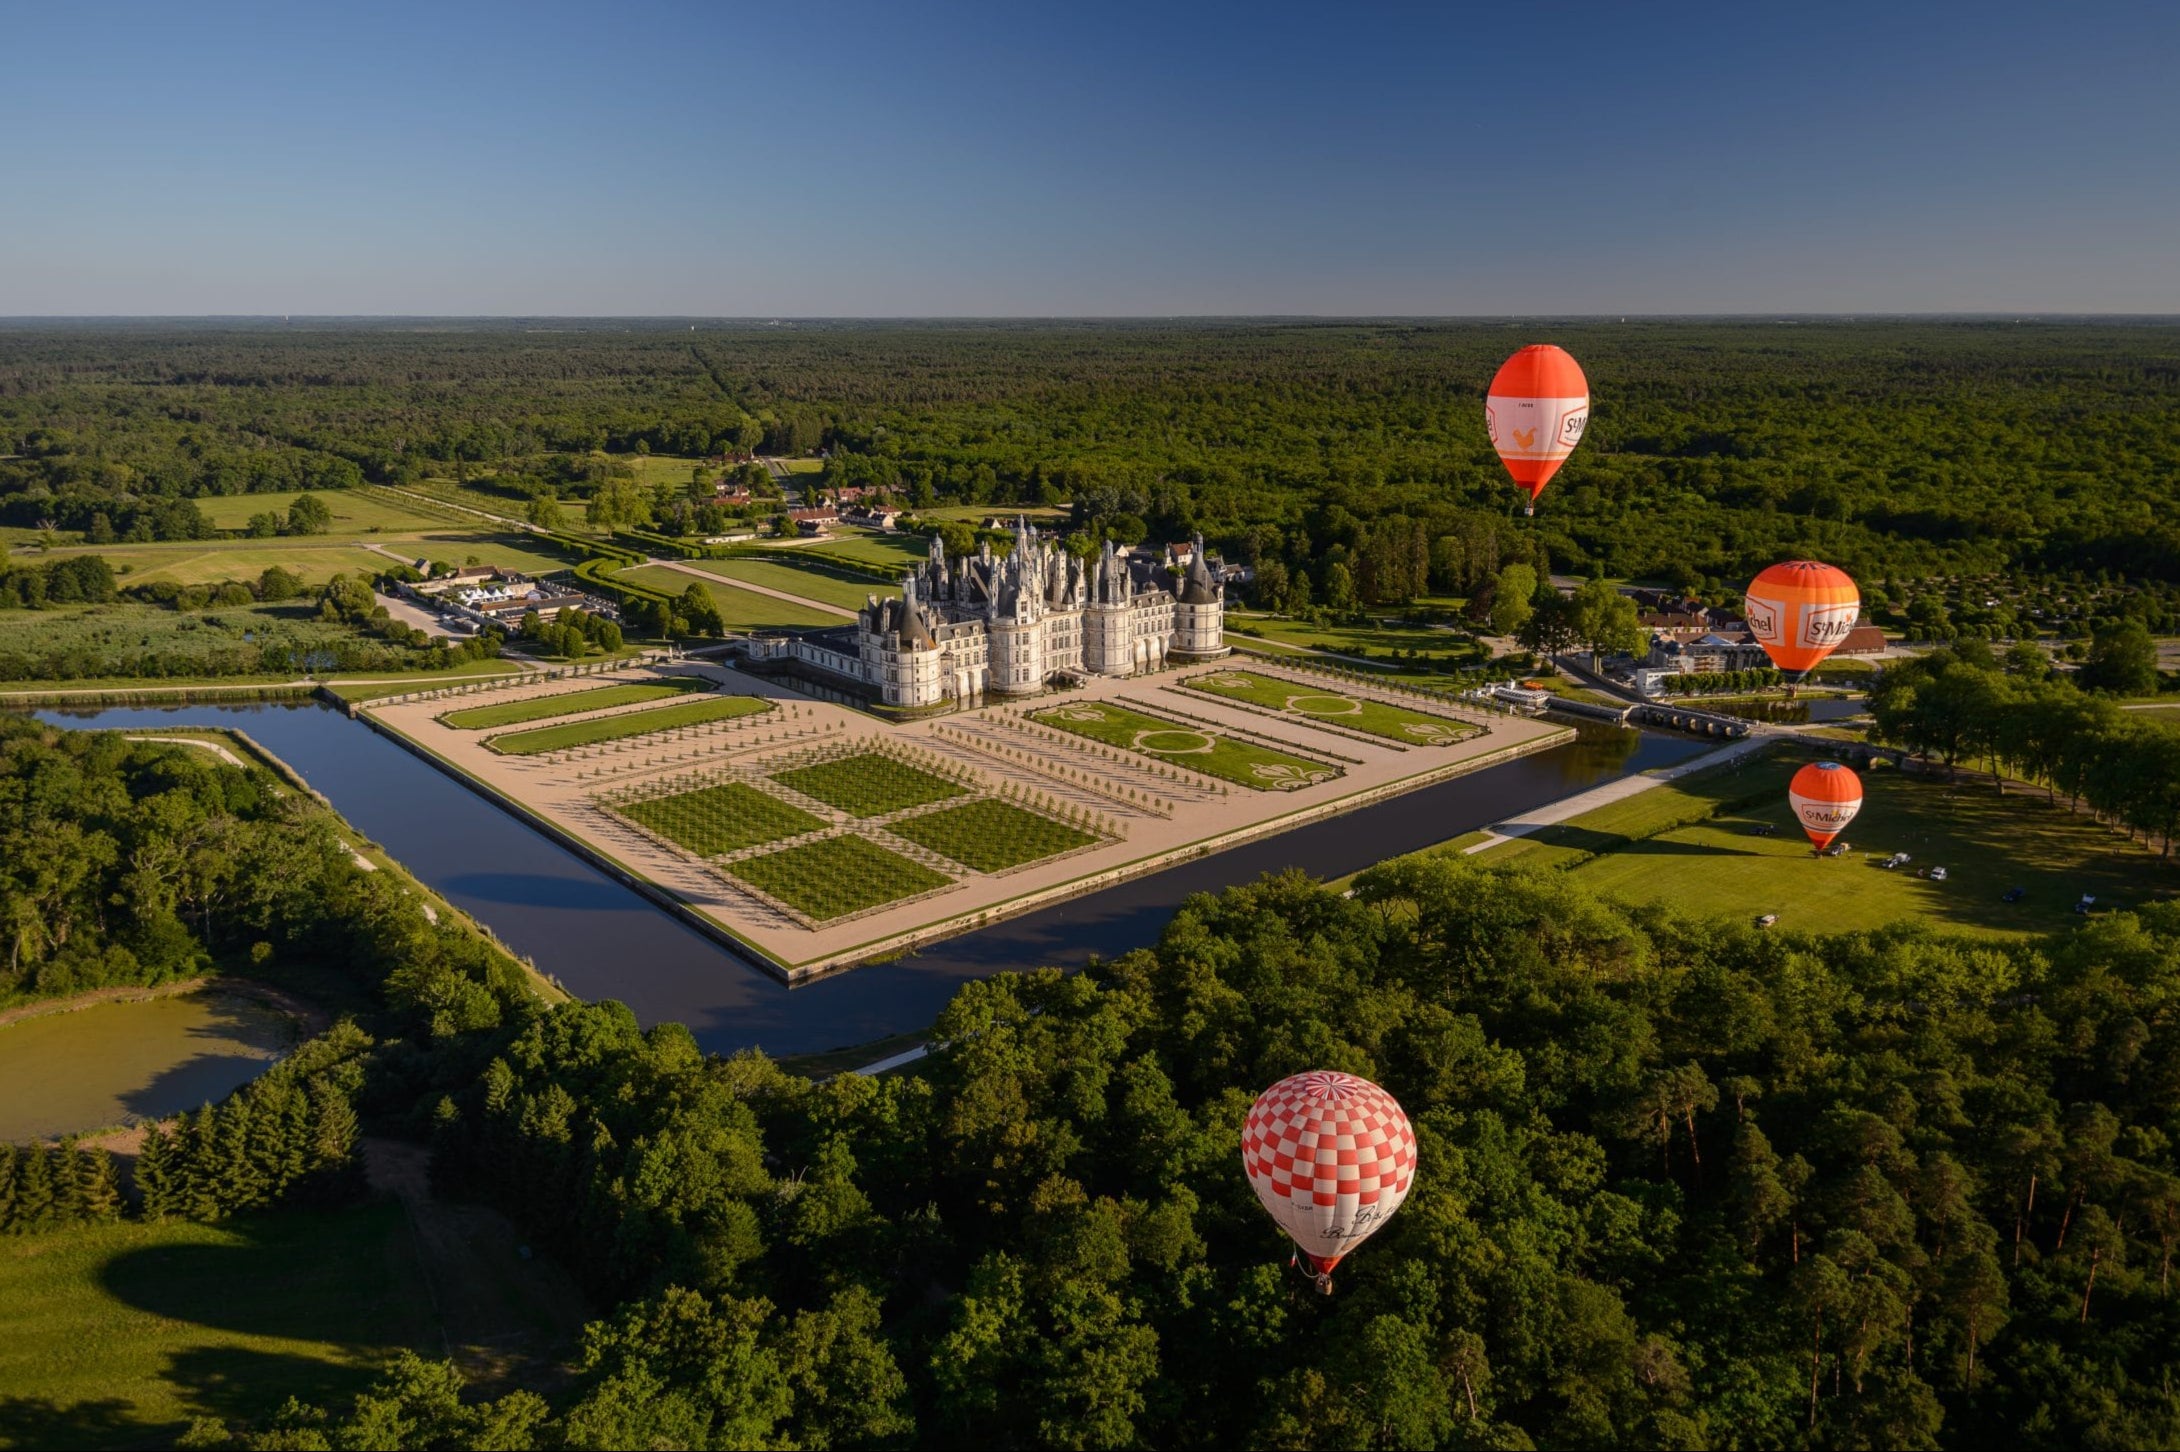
544, 708
869, 784
355, 511
620, 728
1257, 767
115, 1336
1702, 845
317, 559
723, 818
835, 876
990, 835
1377, 642
893, 551
847, 592
1319, 703
738, 609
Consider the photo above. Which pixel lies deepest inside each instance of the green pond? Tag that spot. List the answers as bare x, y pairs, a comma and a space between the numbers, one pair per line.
117, 1062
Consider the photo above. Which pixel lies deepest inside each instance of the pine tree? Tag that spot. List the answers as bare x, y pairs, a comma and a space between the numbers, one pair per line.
34, 1191
68, 1187
154, 1174
8, 1160
100, 1196
197, 1144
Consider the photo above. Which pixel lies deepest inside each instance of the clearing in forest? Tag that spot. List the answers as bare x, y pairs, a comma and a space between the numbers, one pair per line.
1321, 703
1197, 748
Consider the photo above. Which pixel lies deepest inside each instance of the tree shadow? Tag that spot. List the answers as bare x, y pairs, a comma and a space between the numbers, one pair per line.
38, 1422
236, 1384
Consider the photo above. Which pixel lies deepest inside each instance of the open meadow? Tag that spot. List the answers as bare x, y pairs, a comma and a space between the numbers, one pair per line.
739, 609
1725, 843
796, 576
115, 1336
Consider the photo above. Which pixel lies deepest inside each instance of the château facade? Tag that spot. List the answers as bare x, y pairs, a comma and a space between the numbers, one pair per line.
1009, 624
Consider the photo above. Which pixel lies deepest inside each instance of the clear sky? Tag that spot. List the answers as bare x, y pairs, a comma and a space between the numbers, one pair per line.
926, 159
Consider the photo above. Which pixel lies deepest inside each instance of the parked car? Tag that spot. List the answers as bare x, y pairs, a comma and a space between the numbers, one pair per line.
1897, 859
1767, 920
1937, 874
2086, 902
2014, 894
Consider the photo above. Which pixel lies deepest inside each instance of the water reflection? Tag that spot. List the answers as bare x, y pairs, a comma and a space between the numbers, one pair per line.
604, 941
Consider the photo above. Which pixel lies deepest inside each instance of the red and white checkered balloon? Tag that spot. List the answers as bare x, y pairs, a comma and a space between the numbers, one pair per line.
1331, 1156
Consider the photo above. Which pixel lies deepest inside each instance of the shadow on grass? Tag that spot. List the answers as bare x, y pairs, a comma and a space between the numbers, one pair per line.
37, 1422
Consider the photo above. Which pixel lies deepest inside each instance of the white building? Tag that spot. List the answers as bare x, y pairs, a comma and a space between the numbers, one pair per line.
1009, 624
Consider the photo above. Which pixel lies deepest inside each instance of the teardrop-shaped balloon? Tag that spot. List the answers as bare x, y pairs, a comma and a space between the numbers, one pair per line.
1825, 797
1332, 1157
1537, 408
1800, 611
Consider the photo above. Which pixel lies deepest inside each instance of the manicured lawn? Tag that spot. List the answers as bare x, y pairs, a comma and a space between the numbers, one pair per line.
355, 511
990, 835
869, 784
835, 876
894, 551
115, 1336
1700, 845
738, 609
525, 553
809, 582
317, 558
1378, 642
393, 683
570, 703
634, 723
723, 818
1318, 703
1253, 766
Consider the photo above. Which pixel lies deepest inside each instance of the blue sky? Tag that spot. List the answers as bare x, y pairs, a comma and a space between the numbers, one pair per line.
1118, 159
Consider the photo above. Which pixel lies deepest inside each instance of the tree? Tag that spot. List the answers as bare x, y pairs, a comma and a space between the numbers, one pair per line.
308, 514
1513, 599
1339, 589
2122, 660
544, 511
1552, 625
1606, 620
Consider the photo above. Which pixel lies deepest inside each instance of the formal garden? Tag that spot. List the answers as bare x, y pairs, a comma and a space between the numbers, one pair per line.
1337, 708
989, 835
635, 723
725, 817
834, 877
571, 703
1243, 762
869, 784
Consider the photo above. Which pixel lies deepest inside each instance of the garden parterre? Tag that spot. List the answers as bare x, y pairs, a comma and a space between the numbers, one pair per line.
835, 876
989, 835
634, 723
869, 784
570, 703
1320, 703
1243, 762
723, 818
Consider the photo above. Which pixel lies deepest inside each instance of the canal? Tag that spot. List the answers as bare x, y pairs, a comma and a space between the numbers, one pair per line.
604, 941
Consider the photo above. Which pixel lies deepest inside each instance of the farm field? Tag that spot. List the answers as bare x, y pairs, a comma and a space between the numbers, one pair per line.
117, 1335
317, 558
849, 593
738, 609
598, 698
367, 510
717, 819
835, 876
1356, 713
1259, 768
620, 728
1701, 845
989, 835
869, 784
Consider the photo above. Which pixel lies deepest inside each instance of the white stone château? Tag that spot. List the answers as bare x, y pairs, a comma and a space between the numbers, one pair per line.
1010, 624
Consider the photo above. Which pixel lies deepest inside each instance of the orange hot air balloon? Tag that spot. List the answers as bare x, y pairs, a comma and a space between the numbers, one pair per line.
1538, 406
1826, 797
1799, 612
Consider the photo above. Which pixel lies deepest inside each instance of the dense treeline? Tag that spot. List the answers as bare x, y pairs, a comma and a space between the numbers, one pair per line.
1962, 704
1681, 1184
1902, 451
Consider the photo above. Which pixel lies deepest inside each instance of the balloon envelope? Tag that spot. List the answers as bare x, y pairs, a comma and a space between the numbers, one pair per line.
1537, 408
1800, 611
1826, 797
1331, 1156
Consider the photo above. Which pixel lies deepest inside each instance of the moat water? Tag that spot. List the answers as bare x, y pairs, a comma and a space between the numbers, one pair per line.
604, 941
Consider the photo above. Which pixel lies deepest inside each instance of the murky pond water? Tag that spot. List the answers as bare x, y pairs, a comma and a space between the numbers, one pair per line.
604, 941
112, 1063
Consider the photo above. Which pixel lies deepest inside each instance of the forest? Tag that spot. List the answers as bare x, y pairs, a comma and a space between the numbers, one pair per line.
1681, 1182
2043, 454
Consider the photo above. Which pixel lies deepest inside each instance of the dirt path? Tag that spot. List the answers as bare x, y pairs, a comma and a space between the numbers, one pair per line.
507, 1316
212, 746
